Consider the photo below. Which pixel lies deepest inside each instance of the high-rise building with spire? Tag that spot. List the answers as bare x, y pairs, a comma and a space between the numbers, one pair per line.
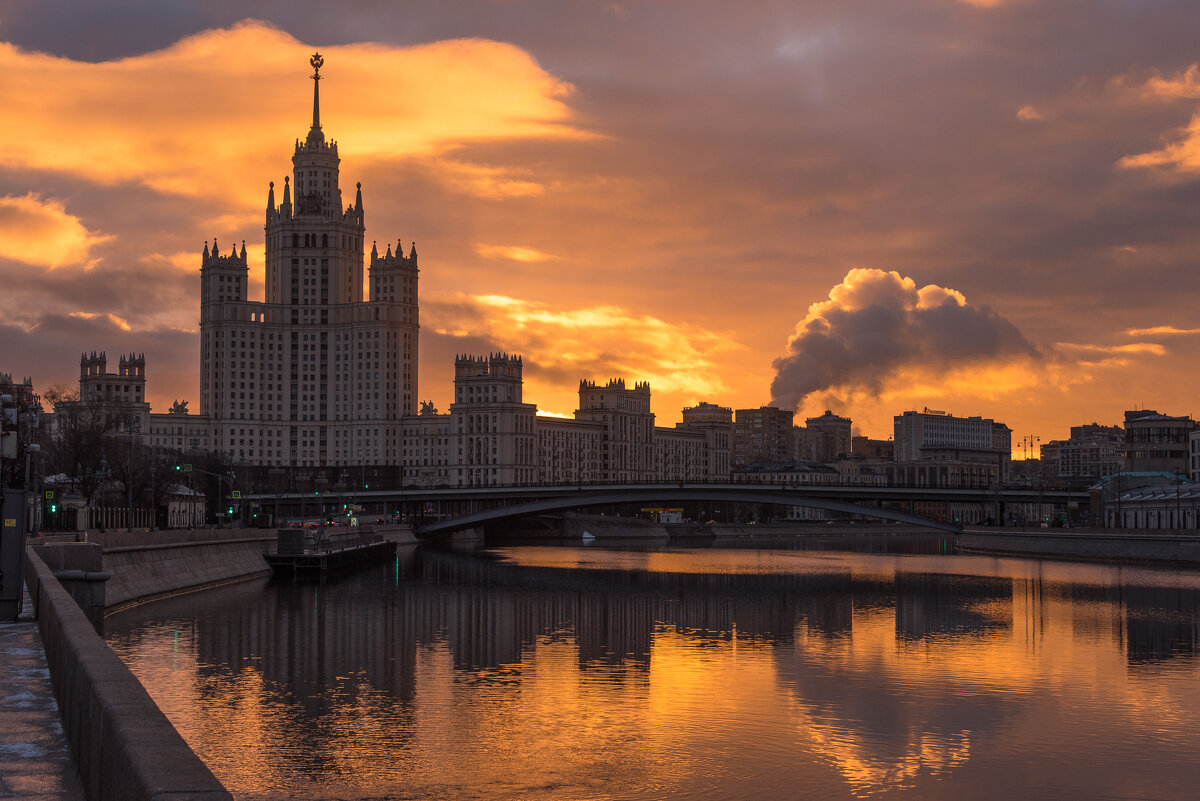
316, 374
318, 377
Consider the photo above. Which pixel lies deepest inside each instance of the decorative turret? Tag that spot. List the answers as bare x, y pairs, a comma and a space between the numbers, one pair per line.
133, 365
285, 210
393, 276
215, 259
496, 378
222, 278
93, 365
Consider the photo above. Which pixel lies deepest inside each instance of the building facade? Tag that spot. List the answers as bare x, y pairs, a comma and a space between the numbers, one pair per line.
762, 436
1092, 451
1155, 441
968, 450
316, 374
828, 437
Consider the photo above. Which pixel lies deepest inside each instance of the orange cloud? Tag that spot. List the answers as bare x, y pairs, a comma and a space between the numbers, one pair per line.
1183, 154
595, 342
1114, 352
1185, 84
1161, 330
192, 120
42, 233
1028, 114
511, 252
119, 322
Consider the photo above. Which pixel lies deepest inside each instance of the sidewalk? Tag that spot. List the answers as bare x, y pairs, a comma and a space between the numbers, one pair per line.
35, 761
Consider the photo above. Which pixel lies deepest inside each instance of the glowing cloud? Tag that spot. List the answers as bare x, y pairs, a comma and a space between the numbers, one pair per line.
1110, 355
1028, 114
878, 327
1161, 330
194, 119
119, 322
42, 233
512, 253
1183, 85
596, 341
1183, 154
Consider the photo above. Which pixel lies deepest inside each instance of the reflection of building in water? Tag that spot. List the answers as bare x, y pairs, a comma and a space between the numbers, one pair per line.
1161, 623
828, 615
613, 629
929, 604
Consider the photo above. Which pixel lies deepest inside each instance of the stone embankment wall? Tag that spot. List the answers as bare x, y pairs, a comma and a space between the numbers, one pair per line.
148, 565
151, 570
605, 527
124, 746
1095, 545
609, 527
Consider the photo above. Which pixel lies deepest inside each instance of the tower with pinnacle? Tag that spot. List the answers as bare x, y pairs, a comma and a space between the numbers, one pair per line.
316, 374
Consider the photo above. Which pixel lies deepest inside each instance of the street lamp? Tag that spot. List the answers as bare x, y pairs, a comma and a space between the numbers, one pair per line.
31, 451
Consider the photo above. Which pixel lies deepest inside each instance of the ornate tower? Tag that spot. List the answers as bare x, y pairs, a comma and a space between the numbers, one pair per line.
316, 376
314, 248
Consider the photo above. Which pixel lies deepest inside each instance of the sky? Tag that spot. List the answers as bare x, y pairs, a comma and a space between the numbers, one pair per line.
986, 207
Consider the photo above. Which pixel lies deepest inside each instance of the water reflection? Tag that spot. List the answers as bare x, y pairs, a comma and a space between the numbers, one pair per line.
710, 674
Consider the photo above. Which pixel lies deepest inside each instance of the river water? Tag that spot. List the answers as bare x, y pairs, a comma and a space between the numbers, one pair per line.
708, 673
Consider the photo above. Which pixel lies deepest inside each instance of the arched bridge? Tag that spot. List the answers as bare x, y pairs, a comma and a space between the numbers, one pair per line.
605, 496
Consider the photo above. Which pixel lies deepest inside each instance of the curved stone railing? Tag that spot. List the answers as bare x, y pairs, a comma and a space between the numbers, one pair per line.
124, 746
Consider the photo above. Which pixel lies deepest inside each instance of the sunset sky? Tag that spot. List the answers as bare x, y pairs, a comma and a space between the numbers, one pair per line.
987, 207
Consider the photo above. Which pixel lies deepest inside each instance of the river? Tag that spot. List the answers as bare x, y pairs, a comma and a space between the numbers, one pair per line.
878, 668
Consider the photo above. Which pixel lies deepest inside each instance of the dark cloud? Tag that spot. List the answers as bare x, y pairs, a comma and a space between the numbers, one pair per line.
49, 352
876, 324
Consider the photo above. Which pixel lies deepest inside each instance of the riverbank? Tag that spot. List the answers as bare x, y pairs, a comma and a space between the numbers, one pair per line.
122, 745
1175, 549
577, 527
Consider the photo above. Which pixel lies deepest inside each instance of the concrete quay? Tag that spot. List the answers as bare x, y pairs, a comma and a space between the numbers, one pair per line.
124, 747
77, 724
35, 758
1096, 545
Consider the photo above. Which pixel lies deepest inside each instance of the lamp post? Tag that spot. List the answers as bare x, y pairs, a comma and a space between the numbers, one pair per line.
32, 450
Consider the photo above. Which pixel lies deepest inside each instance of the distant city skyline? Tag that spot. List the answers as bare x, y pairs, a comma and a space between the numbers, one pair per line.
982, 207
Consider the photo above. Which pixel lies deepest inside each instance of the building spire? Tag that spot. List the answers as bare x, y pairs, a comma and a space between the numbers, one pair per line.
317, 61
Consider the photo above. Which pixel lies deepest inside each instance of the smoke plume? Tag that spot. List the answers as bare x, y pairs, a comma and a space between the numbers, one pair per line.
876, 324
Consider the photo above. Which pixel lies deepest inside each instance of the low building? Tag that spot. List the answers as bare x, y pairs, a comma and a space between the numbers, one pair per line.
1155, 441
1146, 501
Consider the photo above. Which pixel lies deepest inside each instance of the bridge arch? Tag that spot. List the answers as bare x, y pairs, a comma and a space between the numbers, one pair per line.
584, 499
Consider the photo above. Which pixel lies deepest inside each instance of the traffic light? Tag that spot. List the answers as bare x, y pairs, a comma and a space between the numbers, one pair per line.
230, 512
54, 508
178, 468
